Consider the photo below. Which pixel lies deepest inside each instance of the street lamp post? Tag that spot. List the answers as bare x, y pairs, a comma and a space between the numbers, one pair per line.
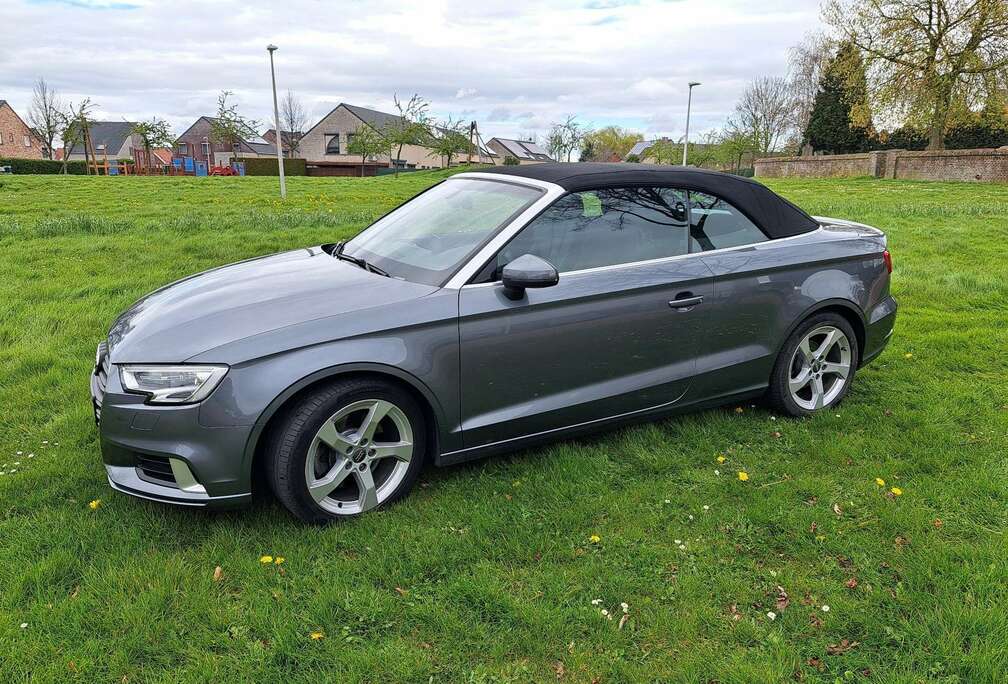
276, 117
689, 102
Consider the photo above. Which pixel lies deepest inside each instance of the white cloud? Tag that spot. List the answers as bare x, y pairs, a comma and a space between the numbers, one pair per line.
524, 63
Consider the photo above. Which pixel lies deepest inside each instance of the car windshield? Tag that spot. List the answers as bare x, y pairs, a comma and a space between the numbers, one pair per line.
427, 239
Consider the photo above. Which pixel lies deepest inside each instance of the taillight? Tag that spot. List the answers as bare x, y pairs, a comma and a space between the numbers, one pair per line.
887, 258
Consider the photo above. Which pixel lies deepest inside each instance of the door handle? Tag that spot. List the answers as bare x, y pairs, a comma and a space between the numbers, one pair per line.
686, 302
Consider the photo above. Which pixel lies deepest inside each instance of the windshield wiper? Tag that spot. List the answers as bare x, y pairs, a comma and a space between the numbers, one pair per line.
357, 261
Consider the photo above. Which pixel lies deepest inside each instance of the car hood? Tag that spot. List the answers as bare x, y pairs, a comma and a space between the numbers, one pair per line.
233, 302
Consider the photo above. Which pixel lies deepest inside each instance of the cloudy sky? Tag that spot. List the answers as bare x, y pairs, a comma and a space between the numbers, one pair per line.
513, 65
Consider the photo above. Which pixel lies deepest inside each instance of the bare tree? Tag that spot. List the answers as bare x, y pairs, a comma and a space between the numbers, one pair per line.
73, 125
766, 112
294, 119
45, 115
924, 56
412, 127
565, 137
450, 139
229, 127
807, 62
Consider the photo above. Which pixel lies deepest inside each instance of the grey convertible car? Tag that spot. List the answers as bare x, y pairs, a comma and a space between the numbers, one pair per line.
493, 311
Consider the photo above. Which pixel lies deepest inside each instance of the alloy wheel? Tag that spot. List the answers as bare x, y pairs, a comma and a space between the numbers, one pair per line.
819, 367
359, 456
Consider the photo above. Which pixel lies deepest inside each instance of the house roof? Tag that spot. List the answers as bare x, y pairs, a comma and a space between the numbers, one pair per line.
523, 149
107, 136
777, 216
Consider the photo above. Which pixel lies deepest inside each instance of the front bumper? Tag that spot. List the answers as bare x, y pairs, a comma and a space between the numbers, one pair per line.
164, 453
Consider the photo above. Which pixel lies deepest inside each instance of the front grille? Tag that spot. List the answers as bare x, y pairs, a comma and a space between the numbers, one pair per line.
155, 468
101, 371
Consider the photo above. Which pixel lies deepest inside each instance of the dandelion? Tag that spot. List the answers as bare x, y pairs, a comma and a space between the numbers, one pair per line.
594, 539
315, 636
772, 615
738, 409
721, 459
908, 355
279, 560
880, 482
93, 505
743, 475
265, 560
896, 491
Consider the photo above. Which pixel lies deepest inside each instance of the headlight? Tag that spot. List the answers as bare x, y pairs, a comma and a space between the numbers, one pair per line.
172, 384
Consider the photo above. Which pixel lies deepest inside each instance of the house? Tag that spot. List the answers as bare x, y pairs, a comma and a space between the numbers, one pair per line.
197, 142
525, 151
270, 137
111, 140
17, 139
325, 145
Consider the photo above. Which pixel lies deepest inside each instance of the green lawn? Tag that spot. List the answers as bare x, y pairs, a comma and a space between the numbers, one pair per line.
490, 572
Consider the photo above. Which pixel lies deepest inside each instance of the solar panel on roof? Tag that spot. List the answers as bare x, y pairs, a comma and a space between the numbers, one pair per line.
514, 148
535, 149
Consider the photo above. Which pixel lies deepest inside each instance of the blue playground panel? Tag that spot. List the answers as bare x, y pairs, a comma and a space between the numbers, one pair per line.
177, 163
113, 170
188, 161
239, 168
201, 168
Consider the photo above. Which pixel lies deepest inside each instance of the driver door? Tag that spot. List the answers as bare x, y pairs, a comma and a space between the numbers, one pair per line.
609, 339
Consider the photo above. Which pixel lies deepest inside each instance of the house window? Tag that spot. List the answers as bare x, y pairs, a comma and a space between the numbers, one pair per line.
183, 148
27, 141
349, 140
332, 144
206, 149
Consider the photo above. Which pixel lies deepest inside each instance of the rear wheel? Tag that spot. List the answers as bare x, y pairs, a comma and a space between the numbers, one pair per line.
346, 449
815, 368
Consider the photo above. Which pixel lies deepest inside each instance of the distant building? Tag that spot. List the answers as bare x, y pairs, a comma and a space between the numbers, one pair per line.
17, 139
270, 137
197, 142
525, 151
111, 140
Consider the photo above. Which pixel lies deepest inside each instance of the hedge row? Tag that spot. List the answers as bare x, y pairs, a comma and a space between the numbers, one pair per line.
267, 166
23, 166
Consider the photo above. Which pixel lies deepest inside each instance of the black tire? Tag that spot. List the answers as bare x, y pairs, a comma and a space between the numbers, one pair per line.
779, 392
292, 437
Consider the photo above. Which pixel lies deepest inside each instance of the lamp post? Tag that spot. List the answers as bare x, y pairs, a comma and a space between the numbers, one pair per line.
276, 117
689, 102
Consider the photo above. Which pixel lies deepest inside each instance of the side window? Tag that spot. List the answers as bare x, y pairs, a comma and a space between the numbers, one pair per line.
715, 224
604, 227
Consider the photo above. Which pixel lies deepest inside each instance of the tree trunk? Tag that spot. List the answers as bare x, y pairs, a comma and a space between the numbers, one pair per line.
936, 133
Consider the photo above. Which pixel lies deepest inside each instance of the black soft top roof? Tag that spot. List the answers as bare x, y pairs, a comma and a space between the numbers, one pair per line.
777, 216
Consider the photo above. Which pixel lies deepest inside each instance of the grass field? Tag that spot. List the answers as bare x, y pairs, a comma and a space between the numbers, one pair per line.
498, 571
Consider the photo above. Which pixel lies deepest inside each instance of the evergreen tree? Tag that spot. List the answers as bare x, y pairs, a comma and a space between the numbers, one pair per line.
840, 121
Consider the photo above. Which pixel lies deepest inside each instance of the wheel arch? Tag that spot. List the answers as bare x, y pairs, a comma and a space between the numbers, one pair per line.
849, 310
432, 410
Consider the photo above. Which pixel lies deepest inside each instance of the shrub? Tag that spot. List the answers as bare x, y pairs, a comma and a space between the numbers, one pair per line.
511, 161
49, 166
267, 166
633, 159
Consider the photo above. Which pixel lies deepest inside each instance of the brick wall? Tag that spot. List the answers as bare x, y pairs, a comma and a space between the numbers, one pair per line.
13, 131
988, 165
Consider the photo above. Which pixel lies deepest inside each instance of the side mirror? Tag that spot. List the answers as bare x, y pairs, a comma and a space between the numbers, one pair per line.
526, 271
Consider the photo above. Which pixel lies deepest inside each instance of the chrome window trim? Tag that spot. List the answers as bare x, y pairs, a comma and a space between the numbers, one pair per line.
551, 192
659, 260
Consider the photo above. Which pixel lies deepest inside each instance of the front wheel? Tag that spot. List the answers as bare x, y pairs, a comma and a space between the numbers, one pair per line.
815, 368
346, 449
